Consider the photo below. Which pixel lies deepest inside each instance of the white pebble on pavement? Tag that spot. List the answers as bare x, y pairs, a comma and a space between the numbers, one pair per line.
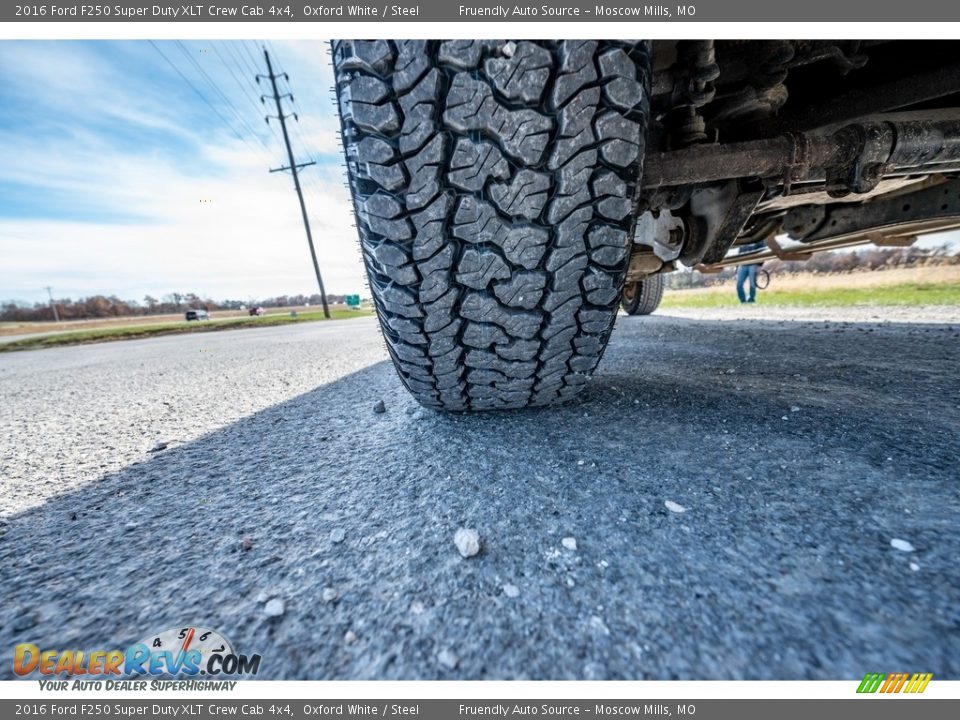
448, 659
901, 545
274, 608
467, 541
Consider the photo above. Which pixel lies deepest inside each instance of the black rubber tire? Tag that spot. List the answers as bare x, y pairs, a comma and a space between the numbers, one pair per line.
763, 279
645, 295
494, 185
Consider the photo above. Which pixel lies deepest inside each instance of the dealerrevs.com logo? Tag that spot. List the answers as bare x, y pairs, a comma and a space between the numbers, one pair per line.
190, 651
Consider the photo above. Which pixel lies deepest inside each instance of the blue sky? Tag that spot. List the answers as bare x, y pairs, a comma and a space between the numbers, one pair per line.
131, 168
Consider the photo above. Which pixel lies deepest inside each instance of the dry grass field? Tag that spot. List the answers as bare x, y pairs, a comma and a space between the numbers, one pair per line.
926, 285
30, 328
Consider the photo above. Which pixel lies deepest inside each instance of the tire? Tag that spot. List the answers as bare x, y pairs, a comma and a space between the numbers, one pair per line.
643, 296
494, 186
763, 279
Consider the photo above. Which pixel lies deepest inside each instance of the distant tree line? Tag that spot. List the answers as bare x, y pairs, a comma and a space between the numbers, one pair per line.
101, 306
873, 258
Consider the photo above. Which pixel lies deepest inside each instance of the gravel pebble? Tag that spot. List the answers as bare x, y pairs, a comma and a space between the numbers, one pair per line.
467, 541
570, 543
511, 591
338, 535
330, 594
379, 407
901, 545
274, 608
674, 507
448, 659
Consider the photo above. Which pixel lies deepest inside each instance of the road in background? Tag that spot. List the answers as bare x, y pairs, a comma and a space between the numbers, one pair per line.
721, 502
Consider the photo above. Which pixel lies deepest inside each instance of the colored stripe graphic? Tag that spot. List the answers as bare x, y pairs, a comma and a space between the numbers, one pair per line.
918, 683
894, 682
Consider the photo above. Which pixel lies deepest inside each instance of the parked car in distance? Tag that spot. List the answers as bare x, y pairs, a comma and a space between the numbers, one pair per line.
256, 311
197, 314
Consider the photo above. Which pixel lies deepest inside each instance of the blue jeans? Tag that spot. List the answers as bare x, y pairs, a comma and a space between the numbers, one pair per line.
747, 272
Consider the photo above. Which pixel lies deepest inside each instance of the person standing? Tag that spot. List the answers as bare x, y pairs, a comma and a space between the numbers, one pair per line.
748, 274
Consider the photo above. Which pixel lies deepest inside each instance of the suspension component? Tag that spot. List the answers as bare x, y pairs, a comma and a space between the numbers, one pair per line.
852, 159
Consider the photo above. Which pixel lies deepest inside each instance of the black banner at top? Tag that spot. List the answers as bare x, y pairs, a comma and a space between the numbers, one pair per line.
578, 11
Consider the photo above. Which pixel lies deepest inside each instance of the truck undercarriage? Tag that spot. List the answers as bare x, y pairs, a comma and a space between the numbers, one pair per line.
832, 144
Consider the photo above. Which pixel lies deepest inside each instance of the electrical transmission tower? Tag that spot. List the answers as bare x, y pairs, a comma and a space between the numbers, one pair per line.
293, 167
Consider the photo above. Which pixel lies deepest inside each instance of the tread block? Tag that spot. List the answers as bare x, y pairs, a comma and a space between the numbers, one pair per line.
477, 222
523, 290
471, 106
474, 162
412, 63
420, 111
599, 287
518, 350
465, 54
371, 55
524, 74
429, 226
623, 90
608, 245
524, 196
477, 269
484, 308
424, 169
483, 335
576, 69
576, 127
573, 191
382, 214
623, 139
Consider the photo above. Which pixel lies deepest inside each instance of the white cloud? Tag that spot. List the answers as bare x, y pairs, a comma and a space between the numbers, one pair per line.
215, 223
239, 236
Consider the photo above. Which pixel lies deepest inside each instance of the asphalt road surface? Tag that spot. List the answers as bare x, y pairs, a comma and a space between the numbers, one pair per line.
241, 481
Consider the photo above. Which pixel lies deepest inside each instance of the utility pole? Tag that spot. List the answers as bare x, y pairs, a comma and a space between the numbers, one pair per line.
293, 167
53, 305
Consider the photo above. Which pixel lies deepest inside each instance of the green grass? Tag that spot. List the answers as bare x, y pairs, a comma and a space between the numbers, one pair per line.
132, 332
901, 294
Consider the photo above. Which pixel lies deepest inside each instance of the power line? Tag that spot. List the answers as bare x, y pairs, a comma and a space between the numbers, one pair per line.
243, 67
201, 95
246, 90
220, 92
232, 47
252, 56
